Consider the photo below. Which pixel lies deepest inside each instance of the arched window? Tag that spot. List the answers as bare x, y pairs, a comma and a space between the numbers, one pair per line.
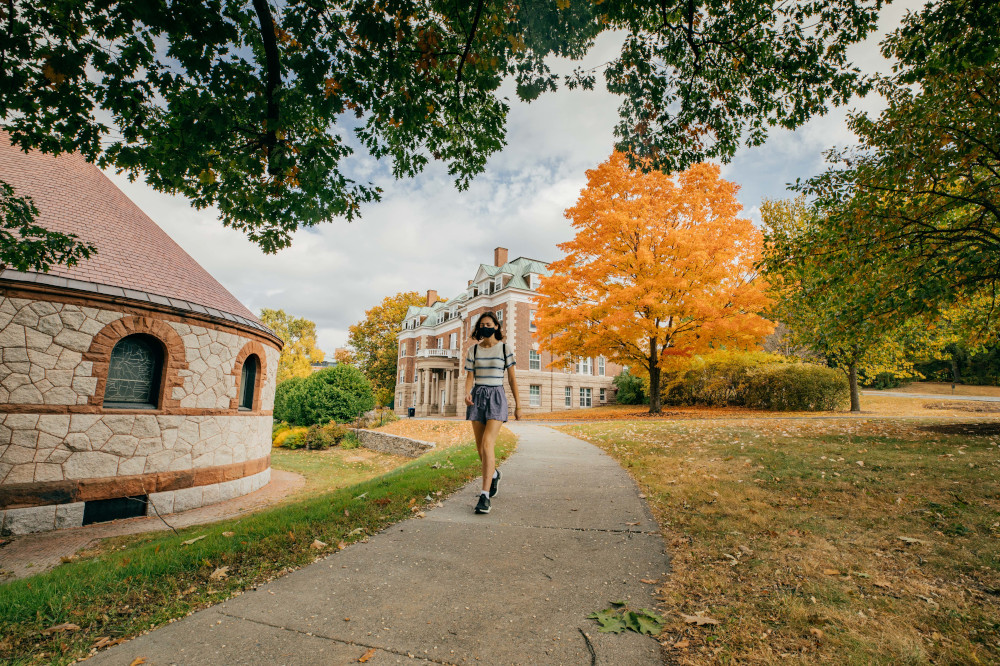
134, 373
248, 381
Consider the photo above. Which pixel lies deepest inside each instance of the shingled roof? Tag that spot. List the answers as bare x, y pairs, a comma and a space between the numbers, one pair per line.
135, 258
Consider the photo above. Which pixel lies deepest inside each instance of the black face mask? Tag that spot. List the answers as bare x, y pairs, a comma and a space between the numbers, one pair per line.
484, 332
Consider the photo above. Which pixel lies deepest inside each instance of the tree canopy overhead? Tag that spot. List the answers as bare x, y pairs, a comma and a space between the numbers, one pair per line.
254, 107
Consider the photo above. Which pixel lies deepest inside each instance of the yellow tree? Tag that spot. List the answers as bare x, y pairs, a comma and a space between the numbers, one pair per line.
661, 268
300, 350
374, 344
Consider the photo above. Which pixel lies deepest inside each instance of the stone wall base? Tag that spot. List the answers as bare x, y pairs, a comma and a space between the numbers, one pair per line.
392, 444
58, 516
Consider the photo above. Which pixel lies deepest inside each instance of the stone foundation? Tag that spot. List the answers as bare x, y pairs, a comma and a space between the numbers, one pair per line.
44, 518
392, 444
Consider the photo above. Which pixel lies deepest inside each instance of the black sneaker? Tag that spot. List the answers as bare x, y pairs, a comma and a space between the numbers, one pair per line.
484, 504
495, 483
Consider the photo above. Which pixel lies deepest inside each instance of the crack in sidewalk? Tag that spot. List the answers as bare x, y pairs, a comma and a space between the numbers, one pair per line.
409, 655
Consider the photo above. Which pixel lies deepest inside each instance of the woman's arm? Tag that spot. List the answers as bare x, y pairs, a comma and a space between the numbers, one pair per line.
470, 379
512, 380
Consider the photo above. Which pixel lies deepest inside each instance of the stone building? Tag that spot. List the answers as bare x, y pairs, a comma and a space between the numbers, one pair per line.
436, 337
130, 383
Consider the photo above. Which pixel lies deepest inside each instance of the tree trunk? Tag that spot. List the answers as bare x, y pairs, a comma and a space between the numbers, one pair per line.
655, 406
855, 395
955, 377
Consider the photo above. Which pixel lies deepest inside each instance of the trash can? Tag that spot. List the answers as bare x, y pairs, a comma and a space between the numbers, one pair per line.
411, 411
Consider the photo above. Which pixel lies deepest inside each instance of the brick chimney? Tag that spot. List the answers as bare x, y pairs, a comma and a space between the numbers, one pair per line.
432, 297
469, 283
499, 256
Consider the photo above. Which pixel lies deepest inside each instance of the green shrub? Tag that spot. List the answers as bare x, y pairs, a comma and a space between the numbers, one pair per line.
350, 441
320, 437
337, 394
277, 428
631, 389
285, 409
797, 386
293, 439
718, 380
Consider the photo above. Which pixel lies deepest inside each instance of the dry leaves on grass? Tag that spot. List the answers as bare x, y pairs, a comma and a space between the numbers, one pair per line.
442, 433
64, 627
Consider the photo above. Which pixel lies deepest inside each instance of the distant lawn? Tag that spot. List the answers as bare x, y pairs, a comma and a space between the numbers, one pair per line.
871, 405
838, 541
944, 388
130, 584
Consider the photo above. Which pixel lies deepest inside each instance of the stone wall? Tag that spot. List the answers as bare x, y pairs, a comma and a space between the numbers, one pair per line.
44, 344
56, 516
392, 444
57, 447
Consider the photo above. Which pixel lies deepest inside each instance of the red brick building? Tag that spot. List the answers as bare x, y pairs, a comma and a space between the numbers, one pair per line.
436, 337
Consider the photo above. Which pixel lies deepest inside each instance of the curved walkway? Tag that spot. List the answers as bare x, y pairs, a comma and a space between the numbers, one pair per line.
568, 534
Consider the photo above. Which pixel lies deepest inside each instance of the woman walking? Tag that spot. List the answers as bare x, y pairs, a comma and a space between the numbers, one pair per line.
485, 365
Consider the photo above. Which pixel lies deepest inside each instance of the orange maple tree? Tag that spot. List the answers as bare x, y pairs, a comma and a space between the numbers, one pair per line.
661, 268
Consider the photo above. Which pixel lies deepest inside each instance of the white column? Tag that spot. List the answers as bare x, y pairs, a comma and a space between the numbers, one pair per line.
423, 387
448, 386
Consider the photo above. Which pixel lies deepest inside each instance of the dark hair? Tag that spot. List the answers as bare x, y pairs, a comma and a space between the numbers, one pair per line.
496, 322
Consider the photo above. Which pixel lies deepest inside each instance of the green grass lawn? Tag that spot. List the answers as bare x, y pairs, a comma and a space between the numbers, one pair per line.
334, 468
848, 542
135, 583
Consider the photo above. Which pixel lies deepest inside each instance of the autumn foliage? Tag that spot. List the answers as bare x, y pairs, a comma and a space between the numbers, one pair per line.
661, 268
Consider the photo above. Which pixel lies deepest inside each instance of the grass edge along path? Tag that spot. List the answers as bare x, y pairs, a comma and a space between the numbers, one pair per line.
61, 615
846, 542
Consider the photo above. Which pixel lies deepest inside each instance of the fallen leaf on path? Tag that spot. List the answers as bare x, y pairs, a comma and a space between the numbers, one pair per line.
699, 620
341, 545
366, 656
632, 524
138, 661
219, 573
65, 626
191, 541
420, 514
101, 642
317, 544
648, 581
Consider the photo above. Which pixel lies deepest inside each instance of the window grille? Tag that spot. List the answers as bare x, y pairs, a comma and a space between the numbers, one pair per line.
569, 396
534, 360
586, 397
134, 373
535, 395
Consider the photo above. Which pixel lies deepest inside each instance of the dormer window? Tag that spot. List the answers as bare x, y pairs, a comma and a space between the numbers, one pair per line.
533, 281
498, 283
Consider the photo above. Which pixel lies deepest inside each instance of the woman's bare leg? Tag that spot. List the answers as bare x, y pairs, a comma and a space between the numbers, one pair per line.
477, 429
485, 446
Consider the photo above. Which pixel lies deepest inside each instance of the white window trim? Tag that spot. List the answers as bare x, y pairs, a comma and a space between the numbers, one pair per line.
533, 358
586, 397
600, 366
535, 395
568, 396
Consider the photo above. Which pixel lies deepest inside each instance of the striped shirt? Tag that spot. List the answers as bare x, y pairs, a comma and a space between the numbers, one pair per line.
488, 363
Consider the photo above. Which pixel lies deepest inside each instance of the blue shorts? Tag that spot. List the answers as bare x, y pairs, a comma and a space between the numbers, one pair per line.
488, 403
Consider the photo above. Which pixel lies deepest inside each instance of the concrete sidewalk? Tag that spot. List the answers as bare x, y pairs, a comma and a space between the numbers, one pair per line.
568, 534
934, 396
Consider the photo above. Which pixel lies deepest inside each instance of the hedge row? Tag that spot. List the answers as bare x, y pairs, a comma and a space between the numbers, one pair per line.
757, 381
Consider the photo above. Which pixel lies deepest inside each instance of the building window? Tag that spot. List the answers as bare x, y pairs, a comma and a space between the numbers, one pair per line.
585, 397
453, 341
600, 367
499, 314
497, 284
569, 396
531, 320
535, 395
534, 360
440, 343
584, 366
248, 381
604, 397
418, 344
532, 281
134, 373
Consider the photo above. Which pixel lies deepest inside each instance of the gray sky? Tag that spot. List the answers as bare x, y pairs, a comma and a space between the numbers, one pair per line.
426, 235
